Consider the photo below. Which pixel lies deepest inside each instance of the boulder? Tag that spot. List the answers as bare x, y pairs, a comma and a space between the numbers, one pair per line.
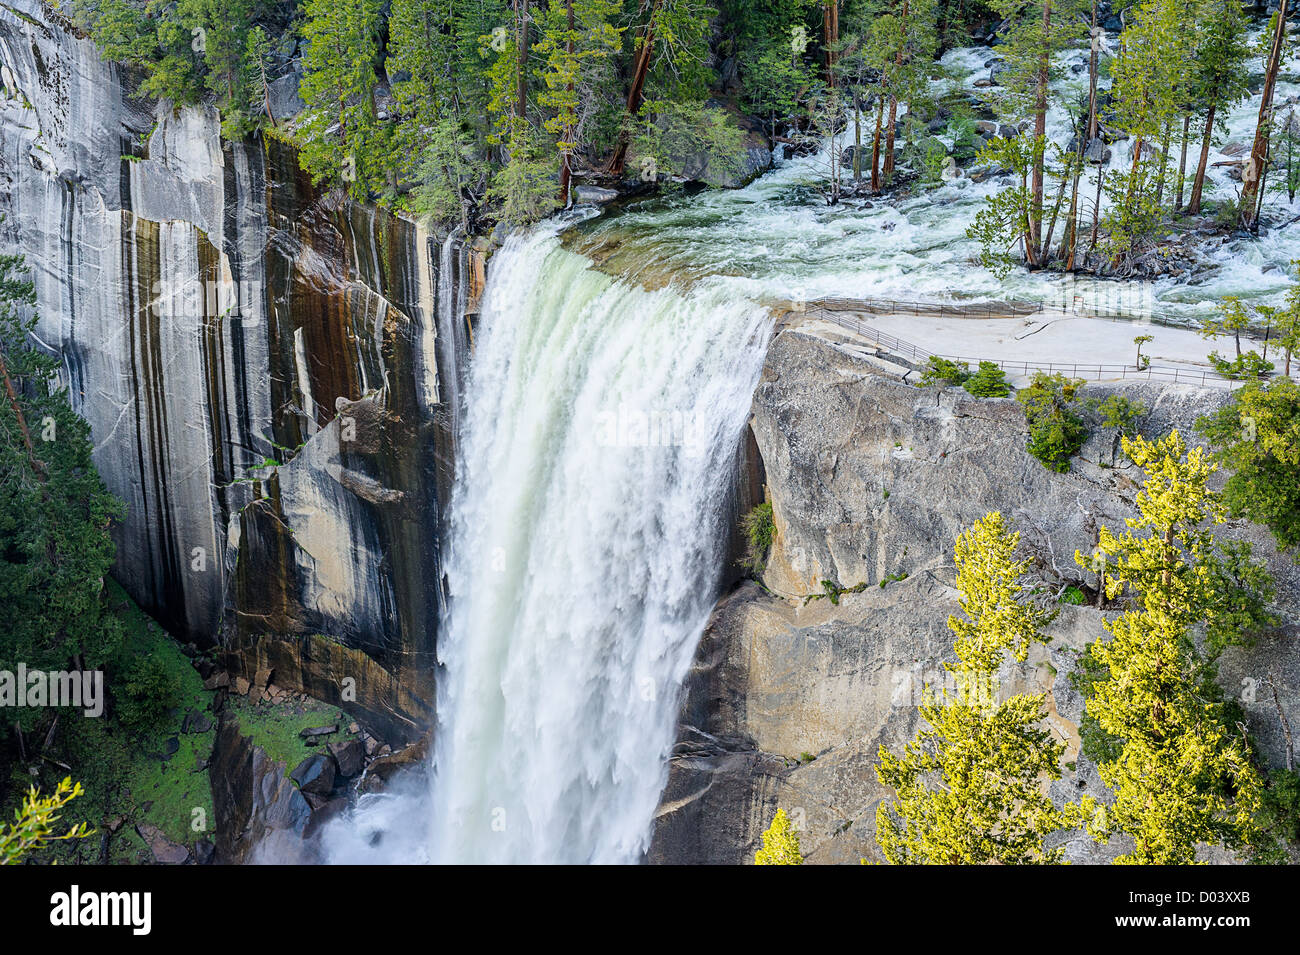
1097, 152
594, 195
164, 851
285, 101
196, 722
315, 774
350, 756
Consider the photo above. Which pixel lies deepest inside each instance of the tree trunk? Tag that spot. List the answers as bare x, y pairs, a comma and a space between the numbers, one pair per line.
1093, 56
893, 101
889, 138
1096, 210
1164, 164
831, 33
566, 156
1182, 166
875, 144
521, 68
857, 138
1198, 184
1259, 151
636, 92
1040, 134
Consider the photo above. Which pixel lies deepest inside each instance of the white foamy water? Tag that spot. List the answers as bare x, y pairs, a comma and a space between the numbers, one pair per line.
588, 532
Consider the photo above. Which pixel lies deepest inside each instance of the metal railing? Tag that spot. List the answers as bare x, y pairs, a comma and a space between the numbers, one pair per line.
920, 356
990, 310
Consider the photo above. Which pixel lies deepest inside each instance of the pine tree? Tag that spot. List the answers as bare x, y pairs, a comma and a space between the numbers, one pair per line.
1032, 33
574, 33
971, 788
1183, 773
55, 548
780, 843
1256, 436
1219, 78
341, 140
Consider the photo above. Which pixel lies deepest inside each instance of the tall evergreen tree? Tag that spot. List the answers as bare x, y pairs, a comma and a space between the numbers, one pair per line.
55, 549
971, 788
1182, 774
341, 139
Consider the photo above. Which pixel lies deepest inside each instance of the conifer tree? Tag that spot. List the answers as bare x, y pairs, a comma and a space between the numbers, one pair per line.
1256, 436
780, 843
1182, 774
1219, 75
970, 788
341, 139
1032, 33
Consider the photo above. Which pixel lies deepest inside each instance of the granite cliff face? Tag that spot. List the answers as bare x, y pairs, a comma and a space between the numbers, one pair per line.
871, 480
262, 368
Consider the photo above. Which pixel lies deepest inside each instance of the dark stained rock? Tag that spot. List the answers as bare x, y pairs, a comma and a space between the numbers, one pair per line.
165, 852
252, 797
350, 756
196, 722
312, 732
203, 851
315, 774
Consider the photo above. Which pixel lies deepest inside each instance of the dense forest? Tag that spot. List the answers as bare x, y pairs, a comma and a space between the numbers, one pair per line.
461, 109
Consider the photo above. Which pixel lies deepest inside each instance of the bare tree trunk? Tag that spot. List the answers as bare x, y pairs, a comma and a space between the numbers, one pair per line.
1182, 166
1250, 180
893, 101
1096, 210
875, 144
1040, 134
636, 93
1198, 184
857, 137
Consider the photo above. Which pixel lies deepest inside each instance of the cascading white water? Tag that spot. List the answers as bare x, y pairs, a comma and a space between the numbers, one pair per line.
600, 430
588, 531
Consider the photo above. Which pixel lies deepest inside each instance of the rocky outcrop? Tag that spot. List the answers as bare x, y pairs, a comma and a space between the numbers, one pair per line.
259, 363
871, 480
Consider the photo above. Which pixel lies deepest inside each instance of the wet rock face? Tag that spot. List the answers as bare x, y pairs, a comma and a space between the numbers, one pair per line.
788, 702
258, 363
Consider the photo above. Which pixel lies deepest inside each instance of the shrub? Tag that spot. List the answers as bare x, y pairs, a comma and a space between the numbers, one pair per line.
988, 382
1055, 433
1073, 596
760, 530
149, 690
1248, 366
1122, 414
941, 371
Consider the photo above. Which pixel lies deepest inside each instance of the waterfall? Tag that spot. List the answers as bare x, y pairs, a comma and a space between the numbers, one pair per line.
586, 539
588, 532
